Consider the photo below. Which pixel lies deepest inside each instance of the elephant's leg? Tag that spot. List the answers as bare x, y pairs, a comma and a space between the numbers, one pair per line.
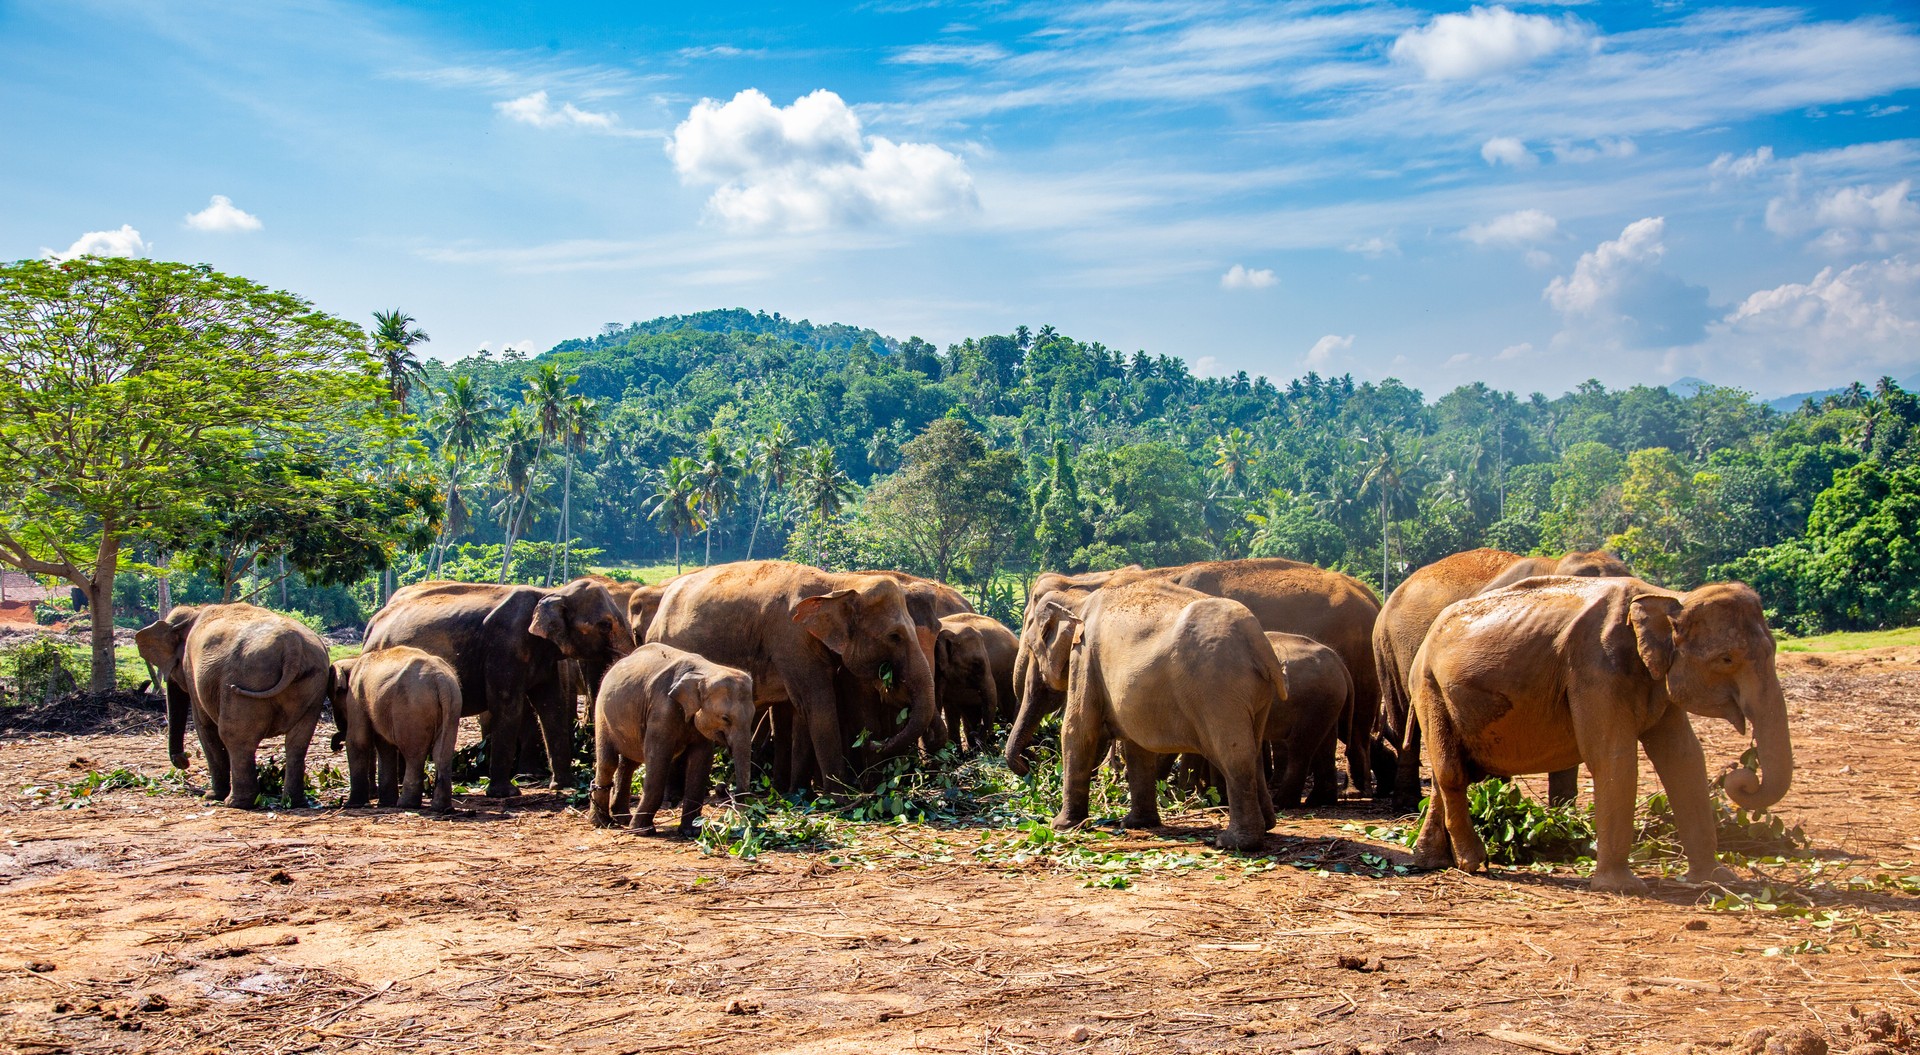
1143, 786
360, 776
698, 768
1563, 786
506, 702
781, 715
242, 766
1675, 752
413, 785
555, 706
299, 738
1359, 728
819, 720
1448, 806
606, 766
653, 787
219, 763
1293, 776
1081, 746
389, 790
1406, 772
1249, 805
1613, 755
623, 787
1326, 776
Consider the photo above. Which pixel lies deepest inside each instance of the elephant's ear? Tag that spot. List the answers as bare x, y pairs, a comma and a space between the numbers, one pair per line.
829, 617
340, 679
163, 643
1062, 634
550, 620
1654, 632
685, 691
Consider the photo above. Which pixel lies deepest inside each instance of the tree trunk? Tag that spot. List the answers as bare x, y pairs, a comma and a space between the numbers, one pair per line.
566, 522
166, 589
765, 489
676, 553
100, 605
1385, 586
283, 581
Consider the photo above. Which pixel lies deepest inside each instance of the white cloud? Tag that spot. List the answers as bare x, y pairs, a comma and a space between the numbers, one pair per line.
1484, 40
524, 346
1515, 351
1618, 293
1321, 354
721, 51
949, 55
1851, 219
222, 215
1604, 147
537, 109
124, 242
1506, 150
1514, 229
1865, 316
808, 166
1208, 366
1745, 166
1459, 359
1239, 276
1374, 248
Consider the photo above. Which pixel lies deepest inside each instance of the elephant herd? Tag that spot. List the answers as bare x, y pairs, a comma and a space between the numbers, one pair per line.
1256, 671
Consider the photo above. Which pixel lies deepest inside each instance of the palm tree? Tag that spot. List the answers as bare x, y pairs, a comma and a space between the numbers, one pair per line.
674, 504
517, 458
394, 337
579, 423
719, 483
1234, 456
464, 419
546, 398
1390, 473
824, 486
773, 461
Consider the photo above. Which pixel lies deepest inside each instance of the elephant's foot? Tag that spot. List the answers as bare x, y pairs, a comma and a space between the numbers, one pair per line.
687, 830
410, 802
1141, 819
1618, 881
1231, 839
355, 802
1469, 859
642, 824
1067, 821
600, 817
501, 789
235, 802
1714, 873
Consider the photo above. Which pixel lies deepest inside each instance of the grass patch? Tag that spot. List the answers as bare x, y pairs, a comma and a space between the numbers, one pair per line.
1850, 641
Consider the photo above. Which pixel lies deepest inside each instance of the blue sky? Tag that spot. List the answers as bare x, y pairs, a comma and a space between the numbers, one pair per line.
1524, 194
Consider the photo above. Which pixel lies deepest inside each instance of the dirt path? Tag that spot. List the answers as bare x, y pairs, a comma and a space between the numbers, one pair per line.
152, 922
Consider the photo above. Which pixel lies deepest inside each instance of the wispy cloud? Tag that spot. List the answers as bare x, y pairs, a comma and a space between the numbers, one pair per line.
948, 55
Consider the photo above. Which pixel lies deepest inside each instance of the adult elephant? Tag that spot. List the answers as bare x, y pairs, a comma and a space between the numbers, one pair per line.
1412, 609
928, 602
246, 674
508, 644
792, 628
1285, 596
1555, 671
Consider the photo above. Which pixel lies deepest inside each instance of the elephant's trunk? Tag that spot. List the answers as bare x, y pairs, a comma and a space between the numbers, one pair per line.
1036, 702
740, 744
921, 704
178, 704
1775, 747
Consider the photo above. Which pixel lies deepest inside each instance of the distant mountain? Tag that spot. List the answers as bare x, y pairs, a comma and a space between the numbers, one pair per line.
1687, 386
827, 337
1792, 402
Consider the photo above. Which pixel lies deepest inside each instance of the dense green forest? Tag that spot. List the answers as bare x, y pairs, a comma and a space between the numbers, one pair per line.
729, 434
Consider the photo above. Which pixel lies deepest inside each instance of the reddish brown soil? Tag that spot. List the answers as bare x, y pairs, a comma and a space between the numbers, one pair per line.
157, 923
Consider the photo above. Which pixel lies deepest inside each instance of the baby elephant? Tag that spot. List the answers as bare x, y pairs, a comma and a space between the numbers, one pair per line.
660, 705
397, 705
1301, 729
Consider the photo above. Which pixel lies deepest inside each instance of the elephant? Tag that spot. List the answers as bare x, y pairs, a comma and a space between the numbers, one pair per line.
1412, 609
1554, 671
642, 603
1164, 670
660, 705
507, 644
1286, 596
214, 659
973, 660
793, 628
397, 705
1303, 729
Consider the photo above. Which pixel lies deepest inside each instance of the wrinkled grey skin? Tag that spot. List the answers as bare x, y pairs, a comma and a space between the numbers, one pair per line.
246, 674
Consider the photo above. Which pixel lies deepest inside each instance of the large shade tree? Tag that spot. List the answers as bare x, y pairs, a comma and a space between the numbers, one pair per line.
135, 398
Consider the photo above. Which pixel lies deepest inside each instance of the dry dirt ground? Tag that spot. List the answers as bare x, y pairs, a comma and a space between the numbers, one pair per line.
154, 923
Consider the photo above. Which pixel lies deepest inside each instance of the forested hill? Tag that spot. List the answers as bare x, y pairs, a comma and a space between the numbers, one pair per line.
784, 435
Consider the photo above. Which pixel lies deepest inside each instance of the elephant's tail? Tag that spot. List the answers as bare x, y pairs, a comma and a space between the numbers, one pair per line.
291, 670
1396, 707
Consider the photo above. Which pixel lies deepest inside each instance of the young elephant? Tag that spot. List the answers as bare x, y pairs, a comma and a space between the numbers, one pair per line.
660, 705
1303, 729
1555, 671
1165, 670
215, 659
397, 705
973, 674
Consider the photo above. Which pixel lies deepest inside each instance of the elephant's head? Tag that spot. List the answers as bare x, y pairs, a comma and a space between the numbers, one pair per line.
963, 668
1713, 654
641, 606
865, 623
585, 623
719, 702
340, 695
1046, 651
163, 644
1592, 564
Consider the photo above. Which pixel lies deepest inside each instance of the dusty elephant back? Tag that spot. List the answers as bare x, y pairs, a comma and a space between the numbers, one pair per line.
410, 694
251, 649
